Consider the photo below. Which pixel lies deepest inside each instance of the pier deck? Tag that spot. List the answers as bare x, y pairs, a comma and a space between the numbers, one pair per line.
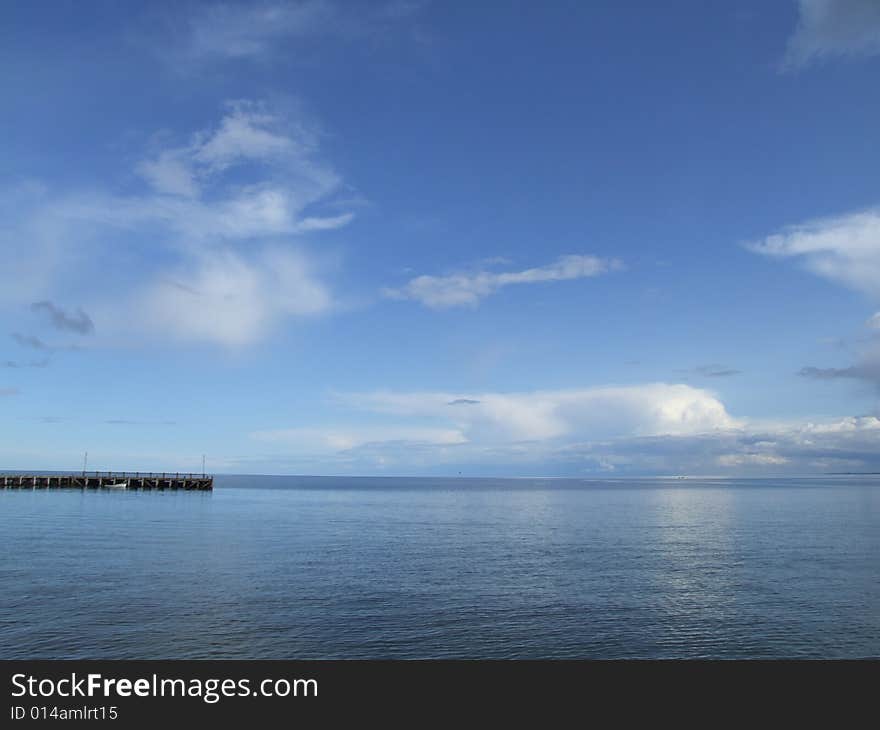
108, 479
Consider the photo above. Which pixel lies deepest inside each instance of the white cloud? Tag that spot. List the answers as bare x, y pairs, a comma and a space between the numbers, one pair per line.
834, 28
843, 444
423, 430
251, 29
851, 425
209, 250
468, 289
734, 460
33, 244
170, 174
594, 413
227, 299
649, 429
844, 249
258, 30
248, 133
196, 196
262, 210
317, 440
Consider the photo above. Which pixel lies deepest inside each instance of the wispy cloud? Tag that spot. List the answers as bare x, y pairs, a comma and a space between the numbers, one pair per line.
217, 235
828, 28
256, 174
858, 372
247, 30
346, 438
15, 364
844, 249
751, 459
234, 300
469, 289
9, 391
79, 322
716, 371
866, 368
196, 196
35, 343
129, 422
258, 30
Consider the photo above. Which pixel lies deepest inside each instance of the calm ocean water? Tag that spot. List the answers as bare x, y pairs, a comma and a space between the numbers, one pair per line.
281, 567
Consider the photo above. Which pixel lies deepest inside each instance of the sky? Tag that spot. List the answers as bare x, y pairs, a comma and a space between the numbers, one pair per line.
438, 238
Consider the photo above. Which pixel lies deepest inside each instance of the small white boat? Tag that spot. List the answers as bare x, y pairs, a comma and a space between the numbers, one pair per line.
117, 485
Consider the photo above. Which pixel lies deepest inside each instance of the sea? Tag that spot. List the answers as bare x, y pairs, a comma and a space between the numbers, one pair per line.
400, 568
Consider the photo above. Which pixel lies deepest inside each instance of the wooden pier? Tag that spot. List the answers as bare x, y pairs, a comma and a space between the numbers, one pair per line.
109, 480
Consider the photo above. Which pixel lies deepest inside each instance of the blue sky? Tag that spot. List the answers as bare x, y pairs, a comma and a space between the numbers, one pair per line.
563, 239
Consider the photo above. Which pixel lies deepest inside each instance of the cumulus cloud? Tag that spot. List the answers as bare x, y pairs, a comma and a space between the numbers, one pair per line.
828, 28
78, 322
421, 430
851, 425
843, 249
468, 289
647, 429
845, 444
539, 415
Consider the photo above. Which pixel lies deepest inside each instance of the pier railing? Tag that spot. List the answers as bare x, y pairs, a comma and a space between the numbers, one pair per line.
143, 474
114, 474
115, 479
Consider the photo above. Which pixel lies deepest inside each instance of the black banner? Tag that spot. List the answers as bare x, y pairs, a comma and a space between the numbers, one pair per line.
134, 693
